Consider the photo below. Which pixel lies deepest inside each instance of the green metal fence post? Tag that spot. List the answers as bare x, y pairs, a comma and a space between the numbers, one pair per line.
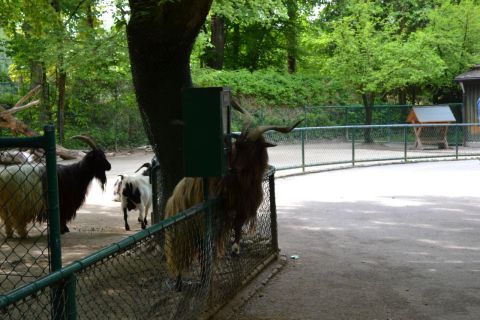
353, 146
456, 142
405, 144
58, 307
346, 122
52, 195
303, 149
273, 210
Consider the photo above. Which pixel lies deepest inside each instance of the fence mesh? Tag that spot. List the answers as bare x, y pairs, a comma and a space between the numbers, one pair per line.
24, 253
139, 278
329, 147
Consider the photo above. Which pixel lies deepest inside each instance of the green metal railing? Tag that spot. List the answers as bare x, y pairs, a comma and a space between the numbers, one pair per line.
342, 146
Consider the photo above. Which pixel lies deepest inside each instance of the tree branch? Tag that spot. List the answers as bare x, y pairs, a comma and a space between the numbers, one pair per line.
20, 108
28, 95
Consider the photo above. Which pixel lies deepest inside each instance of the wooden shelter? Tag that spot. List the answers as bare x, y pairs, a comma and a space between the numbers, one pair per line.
470, 84
431, 115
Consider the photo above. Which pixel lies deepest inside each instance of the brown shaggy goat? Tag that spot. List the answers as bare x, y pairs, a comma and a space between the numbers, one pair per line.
240, 191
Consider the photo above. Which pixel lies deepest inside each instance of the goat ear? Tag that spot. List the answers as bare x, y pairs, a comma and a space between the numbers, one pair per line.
269, 144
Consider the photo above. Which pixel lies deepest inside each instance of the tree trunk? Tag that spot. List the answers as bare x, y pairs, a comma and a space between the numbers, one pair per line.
39, 77
368, 100
90, 15
402, 97
292, 35
413, 94
61, 77
235, 46
160, 40
217, 53
61, 84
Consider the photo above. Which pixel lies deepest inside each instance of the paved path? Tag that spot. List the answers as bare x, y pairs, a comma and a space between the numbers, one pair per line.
390, 242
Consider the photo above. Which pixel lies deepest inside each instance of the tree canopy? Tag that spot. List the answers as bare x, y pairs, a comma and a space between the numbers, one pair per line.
274, 53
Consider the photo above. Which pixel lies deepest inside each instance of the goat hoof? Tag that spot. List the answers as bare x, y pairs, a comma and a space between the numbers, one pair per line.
145, 221
143, 225
127, 228
139, 220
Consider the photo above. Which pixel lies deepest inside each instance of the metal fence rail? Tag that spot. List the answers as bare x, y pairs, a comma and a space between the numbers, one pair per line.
343, 146
130, 279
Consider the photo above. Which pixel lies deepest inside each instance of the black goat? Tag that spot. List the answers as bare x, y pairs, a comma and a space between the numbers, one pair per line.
74, 180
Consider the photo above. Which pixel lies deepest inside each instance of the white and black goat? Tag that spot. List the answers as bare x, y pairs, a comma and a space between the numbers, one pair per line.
241, 193
136, 194
117, 186
23, 189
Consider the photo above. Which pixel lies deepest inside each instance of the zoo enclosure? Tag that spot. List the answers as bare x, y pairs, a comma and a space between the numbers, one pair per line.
341, 146
130, 279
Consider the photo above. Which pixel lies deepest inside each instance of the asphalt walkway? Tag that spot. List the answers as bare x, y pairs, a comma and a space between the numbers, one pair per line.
389, 242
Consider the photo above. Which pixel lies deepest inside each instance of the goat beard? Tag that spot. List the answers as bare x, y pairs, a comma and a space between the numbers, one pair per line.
102, 180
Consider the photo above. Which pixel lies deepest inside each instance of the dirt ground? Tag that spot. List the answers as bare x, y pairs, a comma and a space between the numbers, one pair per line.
391, 242
100, 221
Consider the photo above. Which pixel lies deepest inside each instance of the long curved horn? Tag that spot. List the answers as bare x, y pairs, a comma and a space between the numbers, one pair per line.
247, 122
88, 140
145, 165
255, 133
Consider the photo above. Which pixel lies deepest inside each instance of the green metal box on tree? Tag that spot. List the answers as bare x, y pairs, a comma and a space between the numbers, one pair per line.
206, 134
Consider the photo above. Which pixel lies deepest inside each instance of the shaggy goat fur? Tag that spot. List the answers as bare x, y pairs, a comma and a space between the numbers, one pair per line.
241, 192
21, 197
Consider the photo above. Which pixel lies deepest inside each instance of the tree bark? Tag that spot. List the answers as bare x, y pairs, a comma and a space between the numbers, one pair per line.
292, 35
368, 100
90, 15
160, 40
217, 53
235, 47
61, 85
402, 97
61, 78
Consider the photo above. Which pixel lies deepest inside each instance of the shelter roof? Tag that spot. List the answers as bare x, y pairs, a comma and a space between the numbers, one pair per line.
473, 74
431, 114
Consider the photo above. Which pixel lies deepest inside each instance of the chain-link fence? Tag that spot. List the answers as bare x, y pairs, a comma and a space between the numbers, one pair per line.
342, 146
315, 116
138, 277
25, 242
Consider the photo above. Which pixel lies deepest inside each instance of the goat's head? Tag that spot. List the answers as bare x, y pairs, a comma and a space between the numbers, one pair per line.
96, 159
250, 146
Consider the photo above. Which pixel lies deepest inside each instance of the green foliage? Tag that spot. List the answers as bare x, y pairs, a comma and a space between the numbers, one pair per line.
276, 97
454, 34
344, 49
270, 88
